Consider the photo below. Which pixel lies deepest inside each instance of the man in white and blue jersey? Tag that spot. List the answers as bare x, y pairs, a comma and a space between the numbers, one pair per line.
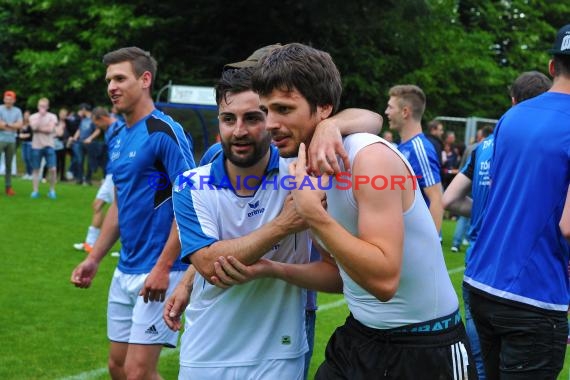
259, 326
405, 109
517, 274
111, 127
147, 155
404, 320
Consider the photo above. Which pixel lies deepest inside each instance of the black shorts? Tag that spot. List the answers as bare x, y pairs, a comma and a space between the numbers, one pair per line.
358, 352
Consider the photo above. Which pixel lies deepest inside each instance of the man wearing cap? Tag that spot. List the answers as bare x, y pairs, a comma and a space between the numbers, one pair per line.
269, 314
10, 122
517, 275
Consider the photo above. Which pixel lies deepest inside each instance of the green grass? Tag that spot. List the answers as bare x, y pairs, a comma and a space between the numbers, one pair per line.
51, 330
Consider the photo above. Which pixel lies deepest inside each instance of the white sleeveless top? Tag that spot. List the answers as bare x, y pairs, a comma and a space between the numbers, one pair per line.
425, 291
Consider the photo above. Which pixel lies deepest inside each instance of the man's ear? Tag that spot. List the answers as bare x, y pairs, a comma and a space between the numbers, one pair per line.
324, 111
146, 79
551, 70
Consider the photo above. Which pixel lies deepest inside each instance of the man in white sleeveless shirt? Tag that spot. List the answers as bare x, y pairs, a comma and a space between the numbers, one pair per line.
404, 321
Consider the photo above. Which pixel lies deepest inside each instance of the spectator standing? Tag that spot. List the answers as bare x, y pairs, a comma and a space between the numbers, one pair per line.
517, 274
45, 127
435, 136
80, 145
11, 121
25, 139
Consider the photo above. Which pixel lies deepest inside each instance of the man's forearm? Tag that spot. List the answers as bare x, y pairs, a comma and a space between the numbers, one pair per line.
109, 234
354, 120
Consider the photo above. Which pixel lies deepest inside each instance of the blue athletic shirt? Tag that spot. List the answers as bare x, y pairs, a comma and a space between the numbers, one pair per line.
146, 159
477, 169
212, 152
520, 254
110, 135
421, 155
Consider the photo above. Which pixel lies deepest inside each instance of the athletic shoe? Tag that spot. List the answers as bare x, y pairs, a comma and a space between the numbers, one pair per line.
10, 192
83, 247
78, 246
454, 249
51, 194
115, 254
465, 242
35, 195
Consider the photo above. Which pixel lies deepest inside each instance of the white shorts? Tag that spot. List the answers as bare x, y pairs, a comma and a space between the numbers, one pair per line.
290, 369
106, 191
130, 320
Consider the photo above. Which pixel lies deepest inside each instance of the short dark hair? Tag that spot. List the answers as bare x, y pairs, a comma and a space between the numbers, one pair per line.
233, 81
310, 71
528, 85
561, 65
141, 60
487, 130
434, 124
411, 95
99, 112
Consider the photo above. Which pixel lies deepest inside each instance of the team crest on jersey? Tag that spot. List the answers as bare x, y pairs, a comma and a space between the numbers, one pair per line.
132, 154
286, 340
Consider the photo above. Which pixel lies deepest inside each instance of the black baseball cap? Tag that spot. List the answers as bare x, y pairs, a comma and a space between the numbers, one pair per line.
253, 58
562, 42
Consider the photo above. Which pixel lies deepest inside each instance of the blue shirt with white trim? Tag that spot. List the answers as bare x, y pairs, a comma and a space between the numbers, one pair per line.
520, 255
421, 155
146, 159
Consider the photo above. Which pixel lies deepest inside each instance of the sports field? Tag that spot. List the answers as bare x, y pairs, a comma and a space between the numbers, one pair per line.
51, 330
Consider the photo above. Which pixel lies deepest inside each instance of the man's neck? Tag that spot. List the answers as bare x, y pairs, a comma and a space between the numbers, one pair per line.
410, 130
561, 84
142, 110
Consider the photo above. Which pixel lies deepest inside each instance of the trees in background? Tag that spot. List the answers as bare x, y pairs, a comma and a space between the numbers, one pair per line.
464, 54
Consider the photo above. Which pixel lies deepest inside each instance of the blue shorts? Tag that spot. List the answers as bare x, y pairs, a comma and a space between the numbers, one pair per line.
48, 153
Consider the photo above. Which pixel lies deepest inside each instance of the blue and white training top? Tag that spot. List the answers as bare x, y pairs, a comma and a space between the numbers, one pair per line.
259, 320
520, 254
477, 169
425, 291
145, 159
421, 155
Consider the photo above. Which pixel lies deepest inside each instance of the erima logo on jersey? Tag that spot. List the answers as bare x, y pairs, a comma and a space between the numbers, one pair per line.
115, 155
286, 340
256, 210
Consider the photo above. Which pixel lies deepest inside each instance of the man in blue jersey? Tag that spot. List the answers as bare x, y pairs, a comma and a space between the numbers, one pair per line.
404, 112
517, 273
259, 327
467, 194
106, 193
404, 320
146, 157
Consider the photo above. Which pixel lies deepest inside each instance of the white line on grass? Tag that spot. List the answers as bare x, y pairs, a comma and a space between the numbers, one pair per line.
100, 371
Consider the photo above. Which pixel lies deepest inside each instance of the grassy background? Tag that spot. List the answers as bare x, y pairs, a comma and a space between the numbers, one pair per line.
51, 330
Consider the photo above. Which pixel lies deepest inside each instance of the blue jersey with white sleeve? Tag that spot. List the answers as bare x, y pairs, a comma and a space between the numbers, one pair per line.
146, 158
520, 255
421, 155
